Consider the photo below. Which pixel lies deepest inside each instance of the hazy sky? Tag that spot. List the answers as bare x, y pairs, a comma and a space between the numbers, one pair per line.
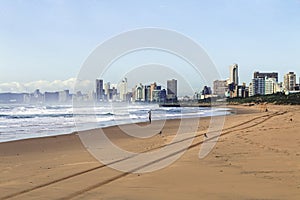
47, 41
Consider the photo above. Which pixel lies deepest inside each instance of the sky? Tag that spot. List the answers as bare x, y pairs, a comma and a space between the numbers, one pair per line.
44, 43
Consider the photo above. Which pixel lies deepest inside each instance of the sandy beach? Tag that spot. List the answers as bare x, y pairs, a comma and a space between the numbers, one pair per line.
256, 157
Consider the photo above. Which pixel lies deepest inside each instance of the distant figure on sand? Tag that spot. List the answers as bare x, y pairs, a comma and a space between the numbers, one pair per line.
263, 107
149, 113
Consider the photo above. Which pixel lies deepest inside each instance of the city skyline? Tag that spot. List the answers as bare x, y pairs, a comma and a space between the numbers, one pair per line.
263, 83
46, 42
102, 92
90, 87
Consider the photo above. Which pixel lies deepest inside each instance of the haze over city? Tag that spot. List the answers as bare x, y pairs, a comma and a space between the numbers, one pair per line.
44, 43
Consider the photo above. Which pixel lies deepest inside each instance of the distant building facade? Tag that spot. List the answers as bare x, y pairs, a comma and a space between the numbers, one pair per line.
51, 97
37, 97
264, 83
273, 75
123, 89
233, 81
13, 97
147, 93
206, 93
107, 91
257, 87
138, 93
271, 86
220, 87
152, 88
64, 96
289, 81
99, 90
172, 90
234, 74
242, 91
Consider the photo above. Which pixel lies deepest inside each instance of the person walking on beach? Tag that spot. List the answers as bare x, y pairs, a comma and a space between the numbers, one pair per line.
149, 114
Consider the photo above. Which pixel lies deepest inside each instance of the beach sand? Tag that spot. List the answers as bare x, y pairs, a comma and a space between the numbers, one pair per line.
256, 157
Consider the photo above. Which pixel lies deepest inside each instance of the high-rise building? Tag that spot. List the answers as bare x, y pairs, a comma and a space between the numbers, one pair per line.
152, 88
172, 89
233, 82
113, 93
138, 93
37, 96
264, 86
251, 90
220, 88
257, 87
243, 91
99, 89
273, 75
123, 89
51, 97
90, 95
289, 81
270, 86
106, 90
163, 95
63, 96
234, 74
156, 96
147, 92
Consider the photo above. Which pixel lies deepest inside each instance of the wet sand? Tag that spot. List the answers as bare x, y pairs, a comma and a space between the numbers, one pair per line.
256, 157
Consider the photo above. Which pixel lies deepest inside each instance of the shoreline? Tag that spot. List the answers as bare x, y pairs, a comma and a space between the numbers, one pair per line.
257, 157
234, 110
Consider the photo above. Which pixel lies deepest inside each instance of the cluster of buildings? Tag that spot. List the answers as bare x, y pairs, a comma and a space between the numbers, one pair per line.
140, 93
104, 92
37, 97
262, 83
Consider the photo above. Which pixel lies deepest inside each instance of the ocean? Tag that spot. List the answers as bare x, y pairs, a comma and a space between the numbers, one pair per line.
31, 121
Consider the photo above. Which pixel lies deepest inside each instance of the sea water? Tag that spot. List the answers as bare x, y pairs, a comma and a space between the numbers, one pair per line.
30, 121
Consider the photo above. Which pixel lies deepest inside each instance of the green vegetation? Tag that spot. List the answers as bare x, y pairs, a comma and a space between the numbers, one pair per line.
280, 99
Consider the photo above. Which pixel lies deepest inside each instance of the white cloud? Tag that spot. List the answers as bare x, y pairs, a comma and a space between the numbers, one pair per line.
43, 85
10, 87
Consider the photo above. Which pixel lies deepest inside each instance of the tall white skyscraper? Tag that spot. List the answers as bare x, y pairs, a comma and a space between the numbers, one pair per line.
234, 74
122, 87
107, 88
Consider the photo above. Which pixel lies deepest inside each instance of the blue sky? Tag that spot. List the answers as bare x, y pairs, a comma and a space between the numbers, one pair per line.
49, 40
